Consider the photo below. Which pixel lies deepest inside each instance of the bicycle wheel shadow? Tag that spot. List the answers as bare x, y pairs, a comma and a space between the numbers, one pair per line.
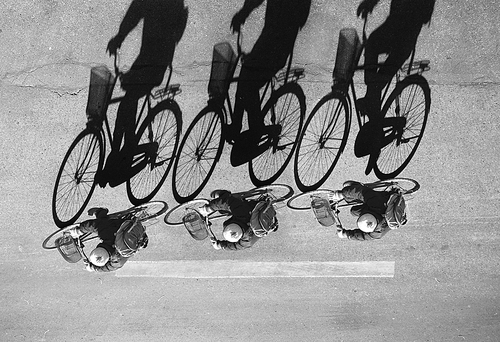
164, 23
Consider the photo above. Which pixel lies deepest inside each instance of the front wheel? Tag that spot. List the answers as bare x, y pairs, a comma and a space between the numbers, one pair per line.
175, 215
406, 185
410, 99
143, 212
286, 108
277, 192
162, 127
75, 181
199, 152
322, 141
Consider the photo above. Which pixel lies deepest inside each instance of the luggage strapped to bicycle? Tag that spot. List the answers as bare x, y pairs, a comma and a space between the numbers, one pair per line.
195, 224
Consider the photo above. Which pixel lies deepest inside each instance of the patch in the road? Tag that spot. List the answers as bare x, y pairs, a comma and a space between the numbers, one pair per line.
254, 269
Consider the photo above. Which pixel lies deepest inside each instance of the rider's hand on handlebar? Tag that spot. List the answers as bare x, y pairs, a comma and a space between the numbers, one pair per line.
238, 20
88, 266
215, 243
365, 8
114, 44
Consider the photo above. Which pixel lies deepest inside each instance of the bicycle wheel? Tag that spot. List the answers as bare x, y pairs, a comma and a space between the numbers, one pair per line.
199, 152
75, 181
144, 212
322, 141
175, 215
286, 107
406, 185
303, 201
50, 241
278, 192
410, 99
162, 126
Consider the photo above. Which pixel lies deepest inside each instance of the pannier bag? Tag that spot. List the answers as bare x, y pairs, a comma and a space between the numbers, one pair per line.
263, 218
223, 65
348, 50
322, 211
195, 225
66, 246
101, 83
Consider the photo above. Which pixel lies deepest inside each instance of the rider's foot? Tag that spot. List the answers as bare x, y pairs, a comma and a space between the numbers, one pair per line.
232, 132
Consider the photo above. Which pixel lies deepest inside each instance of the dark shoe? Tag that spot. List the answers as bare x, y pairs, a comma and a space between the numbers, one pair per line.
232, 133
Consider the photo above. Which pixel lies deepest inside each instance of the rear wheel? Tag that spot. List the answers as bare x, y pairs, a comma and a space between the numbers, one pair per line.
286, 108
278, 192
161, 127
410, 99
322, 142
144, 212
406, 185
199, 152
75, 181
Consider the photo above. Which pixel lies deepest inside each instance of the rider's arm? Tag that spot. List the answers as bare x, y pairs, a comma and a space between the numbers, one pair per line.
115, 262
358, 234
132, 18
246, 241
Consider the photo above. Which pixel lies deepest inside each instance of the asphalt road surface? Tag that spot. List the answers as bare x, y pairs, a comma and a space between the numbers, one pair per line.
435, 280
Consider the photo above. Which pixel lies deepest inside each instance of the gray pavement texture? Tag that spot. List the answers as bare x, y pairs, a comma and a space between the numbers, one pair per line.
446, 284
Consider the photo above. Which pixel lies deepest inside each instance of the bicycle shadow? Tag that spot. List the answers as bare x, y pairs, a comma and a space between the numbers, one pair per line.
282, 23
396, 37
164, 23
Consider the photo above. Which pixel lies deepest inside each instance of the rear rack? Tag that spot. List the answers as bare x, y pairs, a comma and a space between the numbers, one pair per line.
418, 66
168, 92
294, 75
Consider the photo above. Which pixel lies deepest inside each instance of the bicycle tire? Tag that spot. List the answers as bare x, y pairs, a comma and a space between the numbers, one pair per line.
50, 241
303, 201
175, 215
278, 192
75, 181
394, 157
268, 166
407, 185
143, 212
318, 152
199, 151
163, 126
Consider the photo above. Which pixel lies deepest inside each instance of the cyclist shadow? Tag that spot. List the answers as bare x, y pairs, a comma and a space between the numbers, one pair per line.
283, 20
164, 22
397, 38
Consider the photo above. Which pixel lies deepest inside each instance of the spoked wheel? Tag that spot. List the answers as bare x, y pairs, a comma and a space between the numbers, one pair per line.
175, 215
303, 201
75, 181
144, 212
285, 108
160, 132
51, 241
410, 99
406, 185
278, 192
322, 142
199, 152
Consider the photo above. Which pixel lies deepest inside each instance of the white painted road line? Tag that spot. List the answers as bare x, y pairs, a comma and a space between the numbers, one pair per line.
252, 269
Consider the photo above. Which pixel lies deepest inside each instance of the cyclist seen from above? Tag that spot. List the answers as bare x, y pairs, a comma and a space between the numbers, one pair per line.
396, 37
377, 213
120, 240
250, 220
283, 20
164, 22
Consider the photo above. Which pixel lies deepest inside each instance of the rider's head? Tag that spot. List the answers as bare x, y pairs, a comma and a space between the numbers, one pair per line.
367, 222
100, 255
232, 231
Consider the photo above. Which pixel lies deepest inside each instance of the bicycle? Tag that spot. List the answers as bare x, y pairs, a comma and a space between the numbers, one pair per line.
203, 142
157, 137
303, 200
199, 226
404, 111
73, 249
